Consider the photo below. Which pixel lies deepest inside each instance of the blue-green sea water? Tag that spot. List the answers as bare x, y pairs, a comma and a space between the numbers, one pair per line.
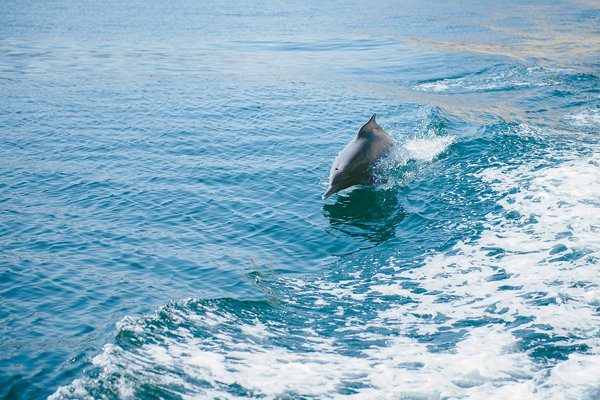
162, 233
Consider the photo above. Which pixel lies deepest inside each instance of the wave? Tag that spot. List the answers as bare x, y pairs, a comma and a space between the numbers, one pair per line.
494, 79
509, 313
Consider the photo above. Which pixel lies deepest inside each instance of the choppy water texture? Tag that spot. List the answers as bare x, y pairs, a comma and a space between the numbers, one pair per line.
161, 228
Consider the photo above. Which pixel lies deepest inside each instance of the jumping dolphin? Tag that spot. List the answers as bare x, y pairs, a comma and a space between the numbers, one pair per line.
353, 165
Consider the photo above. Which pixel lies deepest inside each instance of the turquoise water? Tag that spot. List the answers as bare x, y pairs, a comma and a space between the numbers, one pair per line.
162, 233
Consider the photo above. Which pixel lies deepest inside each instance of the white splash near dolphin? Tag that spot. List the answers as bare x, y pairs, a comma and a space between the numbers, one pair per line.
354, 164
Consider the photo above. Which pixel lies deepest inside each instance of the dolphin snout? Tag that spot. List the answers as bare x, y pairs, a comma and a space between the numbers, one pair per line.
331, 190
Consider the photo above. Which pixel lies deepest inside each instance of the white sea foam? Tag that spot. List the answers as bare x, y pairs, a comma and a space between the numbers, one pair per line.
585, 118
548, 237
426, 149
435, 86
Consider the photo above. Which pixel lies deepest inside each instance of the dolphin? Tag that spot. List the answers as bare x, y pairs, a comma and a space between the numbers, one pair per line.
354, 164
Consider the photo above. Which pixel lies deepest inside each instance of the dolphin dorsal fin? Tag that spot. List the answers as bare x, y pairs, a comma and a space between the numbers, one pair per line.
370, 125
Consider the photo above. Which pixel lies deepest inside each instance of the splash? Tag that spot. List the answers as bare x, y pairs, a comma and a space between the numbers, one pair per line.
427, 149
409, 157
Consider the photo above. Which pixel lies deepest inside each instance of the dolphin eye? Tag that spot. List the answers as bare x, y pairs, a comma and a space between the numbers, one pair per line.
336, 169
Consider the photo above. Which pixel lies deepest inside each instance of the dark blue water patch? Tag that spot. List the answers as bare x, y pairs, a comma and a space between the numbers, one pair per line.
550, 348
368, 213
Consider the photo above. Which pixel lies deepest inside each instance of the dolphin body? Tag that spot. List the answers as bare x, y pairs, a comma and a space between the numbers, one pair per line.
354, 164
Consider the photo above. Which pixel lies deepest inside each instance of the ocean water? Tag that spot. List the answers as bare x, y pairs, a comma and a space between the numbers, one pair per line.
162, 233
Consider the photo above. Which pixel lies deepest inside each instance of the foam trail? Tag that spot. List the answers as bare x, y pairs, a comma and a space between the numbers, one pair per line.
492, 80
542, 278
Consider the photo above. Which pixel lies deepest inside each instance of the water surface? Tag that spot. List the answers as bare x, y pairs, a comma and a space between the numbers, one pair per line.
162, 233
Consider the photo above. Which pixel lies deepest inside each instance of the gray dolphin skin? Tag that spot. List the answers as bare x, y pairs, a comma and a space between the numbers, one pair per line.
354, 164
